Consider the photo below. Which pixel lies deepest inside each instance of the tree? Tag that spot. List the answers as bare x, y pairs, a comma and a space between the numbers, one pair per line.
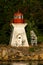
32, 11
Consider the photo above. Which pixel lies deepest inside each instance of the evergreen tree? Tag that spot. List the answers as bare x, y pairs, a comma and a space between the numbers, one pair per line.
32, 11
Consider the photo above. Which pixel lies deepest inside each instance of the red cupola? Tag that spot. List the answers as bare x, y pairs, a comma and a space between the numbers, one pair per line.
18, 17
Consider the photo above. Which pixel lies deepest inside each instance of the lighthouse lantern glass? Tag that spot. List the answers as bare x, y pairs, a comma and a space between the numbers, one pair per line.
20, 17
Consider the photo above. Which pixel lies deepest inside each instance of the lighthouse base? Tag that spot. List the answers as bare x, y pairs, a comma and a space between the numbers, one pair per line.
18, 37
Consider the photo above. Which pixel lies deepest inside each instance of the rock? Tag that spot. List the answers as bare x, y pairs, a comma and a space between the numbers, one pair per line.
18, 55
41, 56
6, 57
0, 56
35, 57
28, 57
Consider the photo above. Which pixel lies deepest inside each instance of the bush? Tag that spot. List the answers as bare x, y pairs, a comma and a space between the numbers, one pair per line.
31, 49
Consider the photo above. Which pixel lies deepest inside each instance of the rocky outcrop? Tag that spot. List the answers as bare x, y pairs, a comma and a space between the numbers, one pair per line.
21, 53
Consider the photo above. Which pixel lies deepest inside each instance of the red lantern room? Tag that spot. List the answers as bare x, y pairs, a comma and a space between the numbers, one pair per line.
18, 17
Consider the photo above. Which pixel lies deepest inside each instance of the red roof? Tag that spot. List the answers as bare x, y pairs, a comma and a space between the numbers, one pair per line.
18, 17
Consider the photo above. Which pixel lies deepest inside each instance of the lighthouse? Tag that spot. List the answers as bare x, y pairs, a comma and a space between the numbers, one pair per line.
18, 35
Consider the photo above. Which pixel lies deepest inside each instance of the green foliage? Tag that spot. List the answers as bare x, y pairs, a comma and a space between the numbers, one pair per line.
32, 11
31, 49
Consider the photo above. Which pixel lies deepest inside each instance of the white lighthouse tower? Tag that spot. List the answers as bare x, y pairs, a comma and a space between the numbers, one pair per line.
18, 36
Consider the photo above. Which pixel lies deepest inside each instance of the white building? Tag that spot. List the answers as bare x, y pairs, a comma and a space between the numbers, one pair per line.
33, 38
18, 36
